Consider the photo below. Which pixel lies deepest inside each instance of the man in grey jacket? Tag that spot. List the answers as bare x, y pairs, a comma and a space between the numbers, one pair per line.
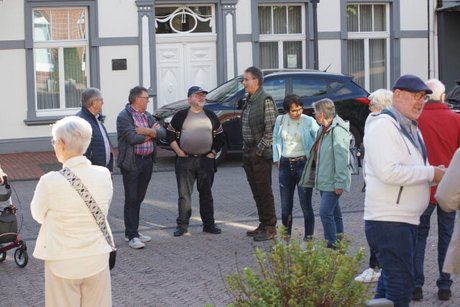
137, 129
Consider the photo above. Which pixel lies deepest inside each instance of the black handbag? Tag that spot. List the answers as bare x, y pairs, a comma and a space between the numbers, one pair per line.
90, 202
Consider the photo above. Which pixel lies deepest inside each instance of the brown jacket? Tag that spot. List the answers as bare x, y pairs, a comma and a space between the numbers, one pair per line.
448, 197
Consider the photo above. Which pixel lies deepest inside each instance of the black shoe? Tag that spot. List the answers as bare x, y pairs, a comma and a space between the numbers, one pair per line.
255, 232
417, 295
180, 231
212, 229
264, 236
444, 294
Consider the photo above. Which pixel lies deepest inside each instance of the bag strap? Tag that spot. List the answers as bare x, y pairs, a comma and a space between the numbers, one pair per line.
90, 202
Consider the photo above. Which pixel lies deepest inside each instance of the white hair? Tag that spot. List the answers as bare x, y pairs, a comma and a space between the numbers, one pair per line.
437, 87
74, 131
381, 98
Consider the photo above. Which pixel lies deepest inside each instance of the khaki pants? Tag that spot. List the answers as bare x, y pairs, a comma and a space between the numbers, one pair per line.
95, 290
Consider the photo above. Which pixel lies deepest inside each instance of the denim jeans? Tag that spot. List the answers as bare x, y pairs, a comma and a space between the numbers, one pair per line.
289, 176
135, 184
446, 221
188, 170
331, 216
259, 175
394, 244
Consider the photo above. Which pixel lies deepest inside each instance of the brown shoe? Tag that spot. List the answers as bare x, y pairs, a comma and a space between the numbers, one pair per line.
265, 235
255, 232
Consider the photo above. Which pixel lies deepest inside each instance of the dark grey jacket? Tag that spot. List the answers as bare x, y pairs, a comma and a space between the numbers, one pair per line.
127, 138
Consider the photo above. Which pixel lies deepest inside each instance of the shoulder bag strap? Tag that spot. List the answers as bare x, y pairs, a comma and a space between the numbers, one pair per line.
90, 202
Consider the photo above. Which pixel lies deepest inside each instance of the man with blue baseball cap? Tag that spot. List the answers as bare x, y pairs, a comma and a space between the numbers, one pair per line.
398, 179
196, 136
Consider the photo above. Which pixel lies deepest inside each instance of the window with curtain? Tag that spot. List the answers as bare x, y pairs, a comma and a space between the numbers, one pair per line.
60, 59
282, 38
368, 39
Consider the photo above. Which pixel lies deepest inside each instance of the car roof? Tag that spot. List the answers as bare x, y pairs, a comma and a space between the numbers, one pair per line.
309, 72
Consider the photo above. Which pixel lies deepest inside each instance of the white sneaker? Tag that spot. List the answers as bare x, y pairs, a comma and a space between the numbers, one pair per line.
136, 243
142, 237
369, 275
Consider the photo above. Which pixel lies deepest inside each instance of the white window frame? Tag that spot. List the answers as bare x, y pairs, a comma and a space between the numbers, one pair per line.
366, 36
289, 37
61, 45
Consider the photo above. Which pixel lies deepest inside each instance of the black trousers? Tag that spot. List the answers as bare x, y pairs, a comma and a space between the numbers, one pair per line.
188, 170
259, 175
135, 183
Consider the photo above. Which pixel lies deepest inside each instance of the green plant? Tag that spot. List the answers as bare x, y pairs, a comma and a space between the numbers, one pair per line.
294, 273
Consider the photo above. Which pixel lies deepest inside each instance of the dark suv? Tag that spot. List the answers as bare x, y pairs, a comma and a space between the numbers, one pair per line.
226, 100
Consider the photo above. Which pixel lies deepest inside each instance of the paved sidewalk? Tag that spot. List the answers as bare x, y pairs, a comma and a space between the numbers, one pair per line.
32, 165
184, 271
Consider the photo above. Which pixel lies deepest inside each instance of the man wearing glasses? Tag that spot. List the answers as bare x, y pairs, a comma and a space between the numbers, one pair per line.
196, 136
136, 129
99, 151
398, 179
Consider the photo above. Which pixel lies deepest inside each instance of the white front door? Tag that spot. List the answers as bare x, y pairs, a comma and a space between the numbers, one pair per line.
184, 61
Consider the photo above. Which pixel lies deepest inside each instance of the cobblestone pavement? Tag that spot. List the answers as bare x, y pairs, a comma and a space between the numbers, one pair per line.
189, 270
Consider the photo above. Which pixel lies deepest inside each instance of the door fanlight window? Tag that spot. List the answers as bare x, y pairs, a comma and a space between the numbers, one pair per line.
194, 19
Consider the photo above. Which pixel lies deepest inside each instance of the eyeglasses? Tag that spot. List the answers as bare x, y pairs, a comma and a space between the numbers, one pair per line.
147, 97
298, 110
420, 95
200, 94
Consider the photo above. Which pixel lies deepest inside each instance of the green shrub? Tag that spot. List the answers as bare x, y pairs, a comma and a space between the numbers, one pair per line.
300, 274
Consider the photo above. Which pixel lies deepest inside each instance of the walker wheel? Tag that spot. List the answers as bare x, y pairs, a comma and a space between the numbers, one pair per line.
20, 257
2, 256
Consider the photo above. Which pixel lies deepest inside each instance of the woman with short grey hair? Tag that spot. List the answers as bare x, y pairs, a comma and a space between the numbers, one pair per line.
380, 99
70, 241
327, 167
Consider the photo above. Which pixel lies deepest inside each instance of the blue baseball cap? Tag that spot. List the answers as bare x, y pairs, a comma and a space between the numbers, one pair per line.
194, 90
412, 84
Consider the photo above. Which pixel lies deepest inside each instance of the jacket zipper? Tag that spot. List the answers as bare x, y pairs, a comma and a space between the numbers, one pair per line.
399, 195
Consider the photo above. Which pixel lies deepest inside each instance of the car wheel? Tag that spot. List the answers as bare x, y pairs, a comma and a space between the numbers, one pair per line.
220, 156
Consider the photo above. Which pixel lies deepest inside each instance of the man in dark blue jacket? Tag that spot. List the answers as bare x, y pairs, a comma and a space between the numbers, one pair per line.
100, 149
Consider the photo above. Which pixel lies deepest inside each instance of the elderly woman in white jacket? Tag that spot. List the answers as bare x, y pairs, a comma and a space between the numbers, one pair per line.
70, 241
448, 197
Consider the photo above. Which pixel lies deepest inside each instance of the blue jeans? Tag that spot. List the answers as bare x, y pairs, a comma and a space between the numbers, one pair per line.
446, 221
394, 245
188, 170
290, 173
135, 183
331, 216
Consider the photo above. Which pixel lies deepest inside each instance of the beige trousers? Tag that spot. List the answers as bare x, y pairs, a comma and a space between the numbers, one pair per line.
92, 291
